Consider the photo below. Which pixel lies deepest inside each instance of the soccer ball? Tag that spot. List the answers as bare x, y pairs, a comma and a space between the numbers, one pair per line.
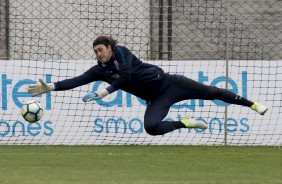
32, 111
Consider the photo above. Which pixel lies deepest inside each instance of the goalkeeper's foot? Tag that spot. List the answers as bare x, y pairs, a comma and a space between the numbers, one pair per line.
261, 109
192, 123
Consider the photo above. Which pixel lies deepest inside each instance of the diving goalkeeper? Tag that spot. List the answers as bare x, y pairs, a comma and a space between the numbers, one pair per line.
122, 70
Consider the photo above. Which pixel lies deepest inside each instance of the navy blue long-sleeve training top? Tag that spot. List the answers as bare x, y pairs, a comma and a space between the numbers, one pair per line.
124, 71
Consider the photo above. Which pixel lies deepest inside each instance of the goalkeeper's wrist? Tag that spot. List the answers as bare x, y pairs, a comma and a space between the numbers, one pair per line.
103, 92
51, 86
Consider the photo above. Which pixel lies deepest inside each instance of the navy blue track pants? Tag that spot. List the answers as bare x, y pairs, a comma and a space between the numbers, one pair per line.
180, 88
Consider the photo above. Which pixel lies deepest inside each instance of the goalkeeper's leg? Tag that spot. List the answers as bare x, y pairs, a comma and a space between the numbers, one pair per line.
157, 110
186, 88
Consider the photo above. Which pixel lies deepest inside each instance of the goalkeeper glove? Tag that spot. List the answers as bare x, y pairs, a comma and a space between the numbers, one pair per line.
38, 89
95, 95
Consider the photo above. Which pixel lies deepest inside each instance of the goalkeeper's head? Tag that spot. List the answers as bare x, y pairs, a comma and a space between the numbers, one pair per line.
103, 48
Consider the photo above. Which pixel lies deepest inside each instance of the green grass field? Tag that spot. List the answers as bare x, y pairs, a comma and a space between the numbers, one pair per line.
140, 164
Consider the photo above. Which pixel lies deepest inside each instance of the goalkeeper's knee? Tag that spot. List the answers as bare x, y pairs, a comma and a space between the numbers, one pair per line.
151, 129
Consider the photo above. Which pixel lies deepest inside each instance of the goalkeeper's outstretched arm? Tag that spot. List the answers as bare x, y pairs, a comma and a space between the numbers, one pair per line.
89, 76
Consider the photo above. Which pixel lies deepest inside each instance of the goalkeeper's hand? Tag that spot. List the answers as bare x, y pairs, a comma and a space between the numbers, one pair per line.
38, 89
95, 95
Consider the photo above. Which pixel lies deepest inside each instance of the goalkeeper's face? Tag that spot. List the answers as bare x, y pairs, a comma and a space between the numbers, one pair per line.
103, 53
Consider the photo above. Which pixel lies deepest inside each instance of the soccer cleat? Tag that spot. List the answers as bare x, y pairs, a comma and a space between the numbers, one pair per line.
261, 109
192, 123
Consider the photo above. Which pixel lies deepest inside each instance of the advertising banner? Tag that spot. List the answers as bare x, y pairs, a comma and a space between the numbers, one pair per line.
118, 118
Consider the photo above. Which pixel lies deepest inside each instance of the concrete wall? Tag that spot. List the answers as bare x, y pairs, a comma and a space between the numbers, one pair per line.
3, 29
65, 29
200, 29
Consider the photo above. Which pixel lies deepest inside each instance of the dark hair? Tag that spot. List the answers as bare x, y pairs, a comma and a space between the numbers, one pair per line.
105, 40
